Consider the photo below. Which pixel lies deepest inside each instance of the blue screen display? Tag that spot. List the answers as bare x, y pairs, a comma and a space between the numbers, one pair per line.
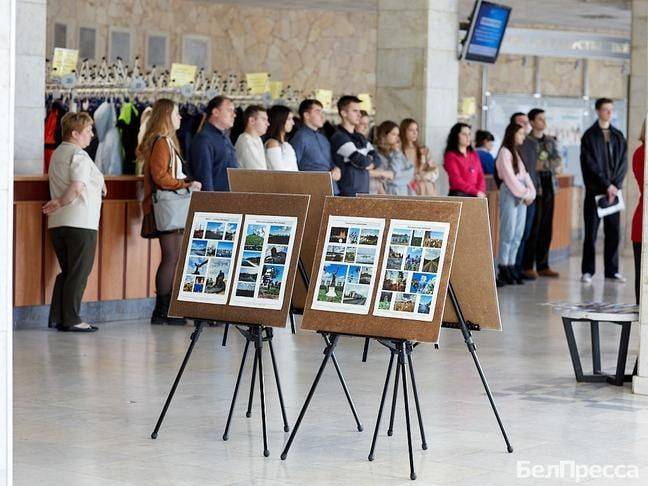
488, 32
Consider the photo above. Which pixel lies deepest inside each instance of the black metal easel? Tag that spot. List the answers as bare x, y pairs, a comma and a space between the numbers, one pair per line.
253, 334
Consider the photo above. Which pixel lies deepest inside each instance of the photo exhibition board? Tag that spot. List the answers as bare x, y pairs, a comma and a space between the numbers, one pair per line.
329, 299
239, 255
473, 279
316, 184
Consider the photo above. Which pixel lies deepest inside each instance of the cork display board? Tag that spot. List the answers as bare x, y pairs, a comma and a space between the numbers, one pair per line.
316, 184
473, 272
379, 235
239, 257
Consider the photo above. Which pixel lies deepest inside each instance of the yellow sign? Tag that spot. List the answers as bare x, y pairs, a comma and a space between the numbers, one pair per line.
275, 88
324, 96
365, 102
468, 106
257, 82
182, 74
65, 61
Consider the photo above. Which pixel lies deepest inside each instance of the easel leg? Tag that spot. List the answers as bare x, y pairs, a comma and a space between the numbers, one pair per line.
416, 398
269, 335
344, 387
365, 350
382, 405
236, 389
327, 354
401, 365
248, 414
194, 339
259, 351
292, 322
390, 431
225, 331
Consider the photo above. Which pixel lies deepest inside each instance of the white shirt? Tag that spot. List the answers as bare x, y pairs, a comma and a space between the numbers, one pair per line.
250, 152
282, 157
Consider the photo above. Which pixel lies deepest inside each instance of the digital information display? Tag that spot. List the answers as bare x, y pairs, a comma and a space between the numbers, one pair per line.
486, 32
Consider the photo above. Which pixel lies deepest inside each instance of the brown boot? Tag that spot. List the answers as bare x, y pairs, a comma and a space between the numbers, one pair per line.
548, 272
529, 274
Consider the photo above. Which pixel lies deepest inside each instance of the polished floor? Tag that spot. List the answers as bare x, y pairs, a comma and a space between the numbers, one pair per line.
85, 406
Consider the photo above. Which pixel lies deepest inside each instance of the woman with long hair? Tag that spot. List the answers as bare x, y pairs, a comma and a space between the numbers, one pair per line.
279, 153
163, 171
637, 217
461, 162
388, 146
516, 192
426, 172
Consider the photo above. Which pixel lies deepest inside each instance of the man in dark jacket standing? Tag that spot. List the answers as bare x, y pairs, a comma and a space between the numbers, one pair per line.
351, 151
604, 166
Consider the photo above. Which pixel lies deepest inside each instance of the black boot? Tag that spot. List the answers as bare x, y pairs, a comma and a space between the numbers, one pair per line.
503, 276
516, 275
171, 321
158, 317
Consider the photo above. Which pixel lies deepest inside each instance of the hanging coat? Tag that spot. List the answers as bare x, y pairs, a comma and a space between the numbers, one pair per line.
109, 151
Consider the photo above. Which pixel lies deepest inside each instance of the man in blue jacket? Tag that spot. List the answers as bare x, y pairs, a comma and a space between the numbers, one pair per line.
352, 153
212, 151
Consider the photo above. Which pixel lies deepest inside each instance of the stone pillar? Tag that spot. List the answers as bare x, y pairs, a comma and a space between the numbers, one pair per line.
7, 85
417, 73
31, 20
638, 106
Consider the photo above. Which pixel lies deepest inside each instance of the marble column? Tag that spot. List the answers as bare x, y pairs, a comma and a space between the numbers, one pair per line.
417, 72
638, 106
7, 86
31, 20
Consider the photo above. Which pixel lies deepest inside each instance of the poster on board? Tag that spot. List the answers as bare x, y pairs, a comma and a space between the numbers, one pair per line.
412, 263
208, 263
263, 261
348, 268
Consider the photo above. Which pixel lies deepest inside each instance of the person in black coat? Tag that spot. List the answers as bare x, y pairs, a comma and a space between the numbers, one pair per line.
604, 166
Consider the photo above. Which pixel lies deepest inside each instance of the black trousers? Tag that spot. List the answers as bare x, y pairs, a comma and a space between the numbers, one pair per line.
636, 248
75, 251
611, 232
536, 247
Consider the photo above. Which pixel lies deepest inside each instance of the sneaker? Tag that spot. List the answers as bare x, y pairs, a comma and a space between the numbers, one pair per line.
548, 272
586, 278
617, 277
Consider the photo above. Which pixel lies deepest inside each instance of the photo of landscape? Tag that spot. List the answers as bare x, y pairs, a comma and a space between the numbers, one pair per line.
225, 249
404, 302
395, 257
425, 304
230, 231
332, 283
395, 281
353, 276
338, 235
366, 256
433, 239
369, 236
215, 230
401, 237
413, 259
417, 237
355, 294
385, 300
211, 248
279, 235
354, 236
431, 258
349, 256
198, 247
188, 284
251, 259
254, 237
335, 253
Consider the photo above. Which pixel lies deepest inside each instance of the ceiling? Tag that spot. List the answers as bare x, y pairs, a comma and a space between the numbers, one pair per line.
601, 16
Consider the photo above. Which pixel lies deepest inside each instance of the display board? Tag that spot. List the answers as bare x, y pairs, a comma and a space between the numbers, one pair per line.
364, 285
239, 257
473, 271
316, 184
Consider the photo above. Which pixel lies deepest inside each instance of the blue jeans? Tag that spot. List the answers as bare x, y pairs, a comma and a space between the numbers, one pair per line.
528, 226
511, 225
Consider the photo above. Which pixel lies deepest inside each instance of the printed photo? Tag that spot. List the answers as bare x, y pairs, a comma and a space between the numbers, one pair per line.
354, 236
230, 231
395, 281
433, 239
366, 256
279, 235
254, 237
417, 237
335, 253
401, 236
349, 256
197, 266
198, 247
245, 289
249, 276
251, 259
395, 257
353, 276
200, 280
332, 283
431, 260
271, 278
199, 232
338, 235
365, 275
211, 248
413, 259
422, 283
369, 236
215, 230
404, 302
355, 294
385, 300
424, 305
217, 276
198, 287
188, 284
276, 254
225, 249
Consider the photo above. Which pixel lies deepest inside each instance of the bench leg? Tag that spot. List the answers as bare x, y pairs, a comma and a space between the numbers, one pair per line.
596, 347
623, 354
573, 348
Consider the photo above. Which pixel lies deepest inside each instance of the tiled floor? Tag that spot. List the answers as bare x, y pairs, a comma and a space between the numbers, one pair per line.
85, 406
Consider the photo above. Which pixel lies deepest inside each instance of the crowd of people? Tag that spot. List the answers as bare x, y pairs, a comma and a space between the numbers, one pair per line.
386, 159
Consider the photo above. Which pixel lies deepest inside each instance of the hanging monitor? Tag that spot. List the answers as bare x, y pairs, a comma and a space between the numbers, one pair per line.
487, 27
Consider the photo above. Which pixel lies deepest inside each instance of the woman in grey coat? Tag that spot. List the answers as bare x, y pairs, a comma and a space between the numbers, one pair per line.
388, 144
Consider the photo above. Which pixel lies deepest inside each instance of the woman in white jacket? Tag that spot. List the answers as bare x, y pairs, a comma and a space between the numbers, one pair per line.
279, 153
516, 192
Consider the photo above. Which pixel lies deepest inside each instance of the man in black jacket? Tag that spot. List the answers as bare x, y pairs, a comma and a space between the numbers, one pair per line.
604, 166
